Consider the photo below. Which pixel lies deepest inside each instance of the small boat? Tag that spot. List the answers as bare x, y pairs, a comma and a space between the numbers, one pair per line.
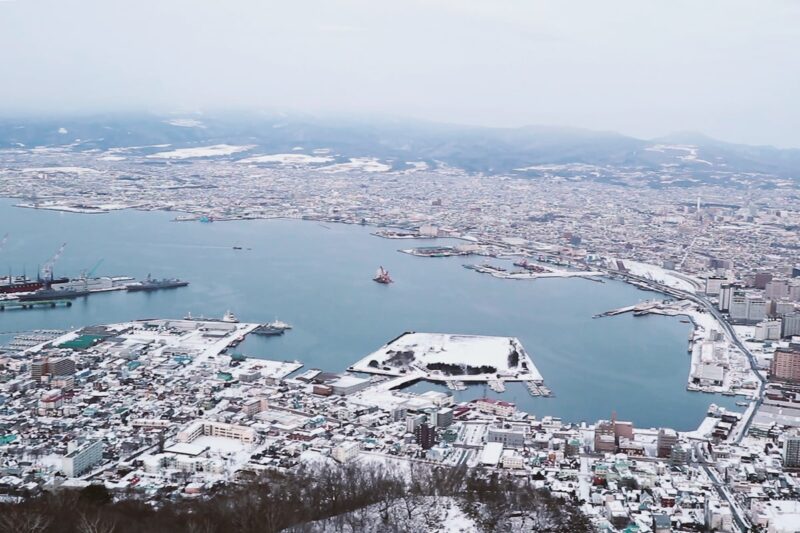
382, 276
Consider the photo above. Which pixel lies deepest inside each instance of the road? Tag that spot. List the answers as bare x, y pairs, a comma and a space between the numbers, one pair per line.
701, 300
722, 489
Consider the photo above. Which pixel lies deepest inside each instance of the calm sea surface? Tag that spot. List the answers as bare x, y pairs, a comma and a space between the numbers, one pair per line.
318, 278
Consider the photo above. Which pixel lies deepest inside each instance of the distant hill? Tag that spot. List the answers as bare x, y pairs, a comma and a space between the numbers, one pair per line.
472, 148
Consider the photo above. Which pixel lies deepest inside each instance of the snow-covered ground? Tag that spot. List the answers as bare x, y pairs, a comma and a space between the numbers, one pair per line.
415, 166
55, 206
422, 349
288, 159
201, 151
658, 274
270, 369
433, 515
364, 164
689, 149
704, 430
553, 273
61, 170
185, 123
221, 445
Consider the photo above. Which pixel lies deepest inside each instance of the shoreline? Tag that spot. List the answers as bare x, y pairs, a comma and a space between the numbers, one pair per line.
641, 284
701, 337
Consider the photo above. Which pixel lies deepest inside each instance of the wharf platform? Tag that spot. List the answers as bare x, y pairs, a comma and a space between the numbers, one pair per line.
16, 304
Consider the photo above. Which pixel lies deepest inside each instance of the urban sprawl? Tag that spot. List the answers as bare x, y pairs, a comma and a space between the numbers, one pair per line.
166, 407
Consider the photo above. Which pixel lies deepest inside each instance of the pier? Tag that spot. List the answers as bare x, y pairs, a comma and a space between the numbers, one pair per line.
497, 385
538, 389
36, 303
638, 309
455, 385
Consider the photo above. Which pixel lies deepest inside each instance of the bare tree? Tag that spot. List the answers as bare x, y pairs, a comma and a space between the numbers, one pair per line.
21, 521
95, 524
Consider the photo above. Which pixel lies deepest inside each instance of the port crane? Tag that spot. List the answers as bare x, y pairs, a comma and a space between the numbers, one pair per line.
91, 272
47, 269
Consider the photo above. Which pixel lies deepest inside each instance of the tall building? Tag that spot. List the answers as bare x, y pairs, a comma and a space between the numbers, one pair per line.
81, 458
604, 440
607, 434
725, 295
667, 439
413, 422
756, 309
790, 325
781, 307
737, 305
785, 365
768, 330
678, 455
777, 289
747, 308
714, 285
791, 452
425, 436
60, 366
761, 279
442, 418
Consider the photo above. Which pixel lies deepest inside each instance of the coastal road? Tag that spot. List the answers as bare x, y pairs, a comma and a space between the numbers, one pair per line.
708, 306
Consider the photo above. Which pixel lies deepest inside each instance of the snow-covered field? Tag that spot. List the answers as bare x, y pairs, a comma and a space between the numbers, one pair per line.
288, 159
659, 275
364, 164
271, 369
433, 515
201, 151
423, 349
689, 149
185, 123
415, 166
62, 170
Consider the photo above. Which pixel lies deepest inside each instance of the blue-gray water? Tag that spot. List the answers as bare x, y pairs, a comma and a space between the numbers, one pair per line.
318, 278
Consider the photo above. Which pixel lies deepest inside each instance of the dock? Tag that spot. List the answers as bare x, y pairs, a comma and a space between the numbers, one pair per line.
537, 389
11, 304
639, 309
455, 385
497, 385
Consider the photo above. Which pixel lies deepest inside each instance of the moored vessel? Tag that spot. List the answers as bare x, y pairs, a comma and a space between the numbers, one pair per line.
382, 276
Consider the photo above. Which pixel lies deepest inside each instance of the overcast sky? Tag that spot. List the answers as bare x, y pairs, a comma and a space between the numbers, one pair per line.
727, 68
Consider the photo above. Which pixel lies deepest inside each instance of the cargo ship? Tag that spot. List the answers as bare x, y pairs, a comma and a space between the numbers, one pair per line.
382, 276
153, 284
13, 284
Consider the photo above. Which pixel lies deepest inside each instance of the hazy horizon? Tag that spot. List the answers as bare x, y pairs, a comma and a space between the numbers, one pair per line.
725, 69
